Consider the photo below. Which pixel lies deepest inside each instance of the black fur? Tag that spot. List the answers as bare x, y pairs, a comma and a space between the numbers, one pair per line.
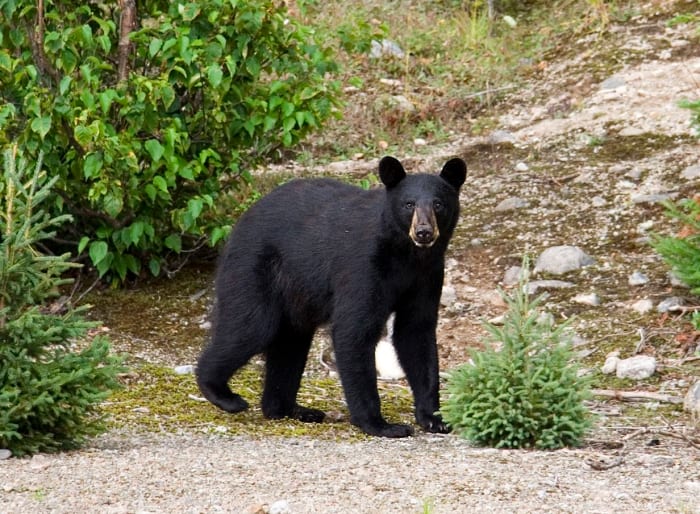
316, 251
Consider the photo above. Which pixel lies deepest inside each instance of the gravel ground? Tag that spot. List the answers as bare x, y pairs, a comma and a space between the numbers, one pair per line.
122, 473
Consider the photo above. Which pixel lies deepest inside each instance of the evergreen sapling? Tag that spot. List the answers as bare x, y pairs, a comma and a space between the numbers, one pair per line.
525, 395
48, 390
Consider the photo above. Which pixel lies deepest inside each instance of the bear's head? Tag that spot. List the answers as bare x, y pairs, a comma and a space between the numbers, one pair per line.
425, 207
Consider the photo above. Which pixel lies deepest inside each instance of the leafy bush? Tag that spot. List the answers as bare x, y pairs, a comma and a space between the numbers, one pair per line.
682, 251
150, 119
48, 392
525, 395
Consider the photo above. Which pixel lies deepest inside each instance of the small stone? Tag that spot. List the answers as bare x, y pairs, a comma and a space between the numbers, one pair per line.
511, 204
402, 103
535, 285
631, 131
391, 82
587, 299
638, 367
521, 166
691, 403
280, 507
448, 296
501, 136
638, 279
642, 306
610, 364
141, 410
652, 198
675, 280
669, 304
598, 201
5, 454
562, 259
186, 369
385, 48
512, 275
205, 325
419, 141
691, 172
613, 82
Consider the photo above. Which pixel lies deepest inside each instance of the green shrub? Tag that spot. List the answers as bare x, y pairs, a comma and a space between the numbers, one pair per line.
149, 139
48, 390
682, 252
525, 395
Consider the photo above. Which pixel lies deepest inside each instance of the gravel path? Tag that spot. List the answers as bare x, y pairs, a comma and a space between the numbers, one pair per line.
427, 473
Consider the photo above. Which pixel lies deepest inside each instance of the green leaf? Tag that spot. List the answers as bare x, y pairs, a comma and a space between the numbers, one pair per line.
150, 192
83, 135
41, 125
174, 242
92, 165
215, 74
188, 11
155, 149
154, 266
83, 243
65, 84
160, 183
98, 252
154, 47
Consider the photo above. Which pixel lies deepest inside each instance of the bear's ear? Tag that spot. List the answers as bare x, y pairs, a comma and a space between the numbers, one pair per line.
391, 171
454, 172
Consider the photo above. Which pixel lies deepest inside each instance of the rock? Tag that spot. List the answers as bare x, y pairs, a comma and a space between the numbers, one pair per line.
691, 172
669, 304
691, 403
638, 367
184, 370
610, 364
587, 299
385, 48
561, 259
535, 285
401, 103
512, 275
521, 166
652, 198
419, 141
205, 325
501, 136
511, 204
448, 296
613, 82
598, 201
642, 306
637, 279
5, 454
280, 507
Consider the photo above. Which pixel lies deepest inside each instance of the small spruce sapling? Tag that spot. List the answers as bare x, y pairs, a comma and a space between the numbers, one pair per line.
525, 395
48, 390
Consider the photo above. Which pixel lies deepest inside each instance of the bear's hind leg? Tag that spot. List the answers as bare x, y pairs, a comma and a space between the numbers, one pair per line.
214, 370
284, 366
234, 342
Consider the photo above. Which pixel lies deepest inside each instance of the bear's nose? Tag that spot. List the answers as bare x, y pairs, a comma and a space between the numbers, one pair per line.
424, 234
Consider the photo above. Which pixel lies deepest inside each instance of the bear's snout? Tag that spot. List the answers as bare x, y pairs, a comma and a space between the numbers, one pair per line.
424, 230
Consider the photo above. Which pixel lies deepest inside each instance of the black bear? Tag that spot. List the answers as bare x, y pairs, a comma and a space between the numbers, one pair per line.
318, 251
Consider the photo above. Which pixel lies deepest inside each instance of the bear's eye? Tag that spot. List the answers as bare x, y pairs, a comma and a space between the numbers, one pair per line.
437, 205
409, 204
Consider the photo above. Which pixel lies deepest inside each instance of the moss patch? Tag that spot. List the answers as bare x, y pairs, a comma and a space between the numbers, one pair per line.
157, 399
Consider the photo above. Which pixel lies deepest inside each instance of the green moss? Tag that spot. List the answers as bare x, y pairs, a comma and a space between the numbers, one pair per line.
156, 399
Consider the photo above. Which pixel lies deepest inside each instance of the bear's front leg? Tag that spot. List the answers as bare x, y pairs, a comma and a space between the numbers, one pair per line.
354, 355
416, 347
